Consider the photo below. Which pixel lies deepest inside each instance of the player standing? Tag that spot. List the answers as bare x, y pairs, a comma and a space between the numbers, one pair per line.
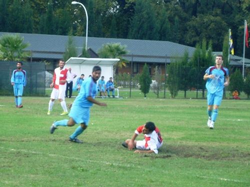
59, 86
18, 81
152, 139
217, 78
80, 110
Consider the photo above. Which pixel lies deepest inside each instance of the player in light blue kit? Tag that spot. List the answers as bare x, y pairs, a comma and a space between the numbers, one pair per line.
101, 86
217, 78
18, 81
80, 110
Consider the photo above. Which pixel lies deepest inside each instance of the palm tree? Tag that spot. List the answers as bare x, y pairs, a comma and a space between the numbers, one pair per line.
114, 50
12, 48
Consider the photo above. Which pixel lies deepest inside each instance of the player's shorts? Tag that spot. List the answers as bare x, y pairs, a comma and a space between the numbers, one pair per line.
80, 114
141, 145
102, 89
58, 93
18, 89
214, 98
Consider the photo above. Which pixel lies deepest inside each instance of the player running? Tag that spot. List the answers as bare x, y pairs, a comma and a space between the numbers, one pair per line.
217, 78
80, 110
152, 139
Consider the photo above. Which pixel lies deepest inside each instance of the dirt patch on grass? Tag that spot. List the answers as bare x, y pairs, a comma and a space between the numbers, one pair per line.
202, 152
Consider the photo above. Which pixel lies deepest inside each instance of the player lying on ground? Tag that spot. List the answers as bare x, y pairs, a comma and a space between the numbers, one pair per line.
152, 139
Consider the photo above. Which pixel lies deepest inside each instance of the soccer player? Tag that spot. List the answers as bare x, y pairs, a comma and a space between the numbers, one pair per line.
101, 86
152, 139
110, 87
59, 86
18, 81
217, 78
79, 82
80, 110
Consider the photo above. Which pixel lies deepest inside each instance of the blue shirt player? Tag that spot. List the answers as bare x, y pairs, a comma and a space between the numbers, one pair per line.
18, 81
217, 78
101, 86
80, 110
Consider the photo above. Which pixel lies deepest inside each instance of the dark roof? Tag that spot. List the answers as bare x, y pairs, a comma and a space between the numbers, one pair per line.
53, 47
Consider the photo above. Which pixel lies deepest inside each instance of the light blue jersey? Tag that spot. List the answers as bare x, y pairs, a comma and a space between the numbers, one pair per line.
101, 85
19, 77
216, 84
88, 88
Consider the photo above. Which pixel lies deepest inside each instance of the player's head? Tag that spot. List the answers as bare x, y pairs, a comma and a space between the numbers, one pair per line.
110, 78
102, 77
61, 64
19, 65
96, 72
219, 60
82, 76
148, 128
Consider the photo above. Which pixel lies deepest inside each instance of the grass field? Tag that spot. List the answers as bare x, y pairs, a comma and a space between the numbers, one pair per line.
192, 154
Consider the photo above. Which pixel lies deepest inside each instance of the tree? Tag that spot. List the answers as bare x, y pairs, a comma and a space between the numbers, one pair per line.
145, 80
70, 49
114, 50
12, 48
185, 77
173, 79
246, 88
236, 82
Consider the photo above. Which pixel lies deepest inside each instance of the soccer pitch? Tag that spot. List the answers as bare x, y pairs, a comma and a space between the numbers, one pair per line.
192, 154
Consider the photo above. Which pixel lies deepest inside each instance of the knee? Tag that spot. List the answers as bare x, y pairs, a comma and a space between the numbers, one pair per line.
84, 126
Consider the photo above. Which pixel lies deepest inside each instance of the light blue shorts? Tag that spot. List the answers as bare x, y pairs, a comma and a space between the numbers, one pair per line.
80, 114
214, 98
18, 89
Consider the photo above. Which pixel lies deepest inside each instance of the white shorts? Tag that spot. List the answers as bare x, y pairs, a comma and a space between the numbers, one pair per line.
141, 145
58, 93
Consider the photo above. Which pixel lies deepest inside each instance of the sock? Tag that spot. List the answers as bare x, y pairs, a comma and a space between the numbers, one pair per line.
63, 104
214, 115
63, 123
19, 100
16, 100
209, 112
51, 103
77, 132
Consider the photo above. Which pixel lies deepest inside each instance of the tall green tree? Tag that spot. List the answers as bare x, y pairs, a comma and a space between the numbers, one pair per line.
246, 87
144, 24
145, 81
173, 78
236, 82
114, 50
12, 48
4, 15
71, 50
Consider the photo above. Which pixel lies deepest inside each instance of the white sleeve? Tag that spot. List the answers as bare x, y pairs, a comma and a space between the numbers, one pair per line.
152, 146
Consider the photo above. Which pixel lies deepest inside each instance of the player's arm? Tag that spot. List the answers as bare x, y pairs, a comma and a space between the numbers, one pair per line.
131, 143
207, 76
143, 151
92, 100
226, 83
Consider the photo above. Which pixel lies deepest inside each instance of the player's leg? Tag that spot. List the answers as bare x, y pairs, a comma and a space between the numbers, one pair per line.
64, 123
126, 144
108, 92
19, 94
210, 101
113, 93
217, 102
70, 89
53, 96
61, 98
80, 116
15, 94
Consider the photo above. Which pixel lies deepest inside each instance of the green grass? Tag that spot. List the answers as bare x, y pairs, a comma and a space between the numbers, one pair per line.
192, 155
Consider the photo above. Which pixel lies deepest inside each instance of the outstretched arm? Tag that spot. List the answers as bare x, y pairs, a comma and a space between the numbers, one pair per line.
92, 100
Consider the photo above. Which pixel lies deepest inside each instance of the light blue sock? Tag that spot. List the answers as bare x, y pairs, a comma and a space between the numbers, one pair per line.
63, 123
215, 114
19, 100
209, 113
16, 100
79, 130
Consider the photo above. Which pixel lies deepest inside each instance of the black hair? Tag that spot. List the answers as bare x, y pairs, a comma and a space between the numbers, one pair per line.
96, 68
220, 56
82, 74
19, 63
150, 126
